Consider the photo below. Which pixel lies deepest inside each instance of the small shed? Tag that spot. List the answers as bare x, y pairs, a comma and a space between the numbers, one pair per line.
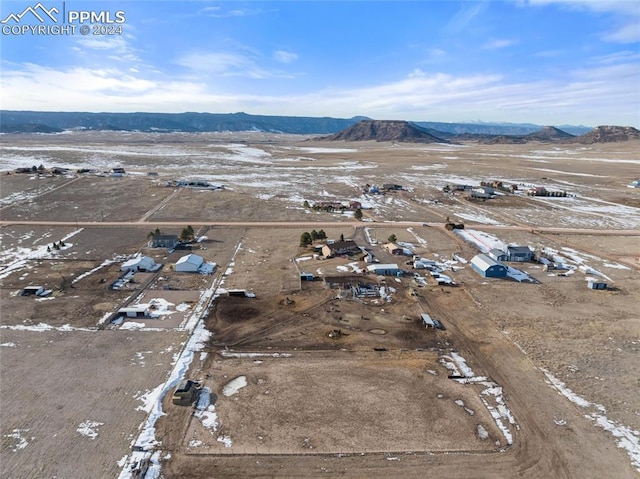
140, 311
32, 290
186, 393
597, 285
497, 254
139, 263
427, 321
384, 269
190, 263
488, 267
393, 248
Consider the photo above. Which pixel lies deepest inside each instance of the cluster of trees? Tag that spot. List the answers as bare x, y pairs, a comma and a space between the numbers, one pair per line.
308, 238
187, 234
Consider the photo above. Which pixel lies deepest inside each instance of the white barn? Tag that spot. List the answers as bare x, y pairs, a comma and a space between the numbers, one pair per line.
139, 263
190, 263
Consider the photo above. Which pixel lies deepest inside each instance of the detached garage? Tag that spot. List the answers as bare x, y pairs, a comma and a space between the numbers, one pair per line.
384, 269
488, 267
139, 263
190, 263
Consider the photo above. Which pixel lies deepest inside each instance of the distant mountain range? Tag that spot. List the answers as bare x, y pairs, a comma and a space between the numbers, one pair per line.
348, 129
29, 121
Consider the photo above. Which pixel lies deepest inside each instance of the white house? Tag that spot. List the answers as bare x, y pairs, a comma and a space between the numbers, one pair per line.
190, 263
139, 263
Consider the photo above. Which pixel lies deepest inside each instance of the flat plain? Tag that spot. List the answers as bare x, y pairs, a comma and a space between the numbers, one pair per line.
527, 379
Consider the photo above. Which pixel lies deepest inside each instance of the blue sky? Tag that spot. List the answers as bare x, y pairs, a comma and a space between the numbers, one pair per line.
548, 62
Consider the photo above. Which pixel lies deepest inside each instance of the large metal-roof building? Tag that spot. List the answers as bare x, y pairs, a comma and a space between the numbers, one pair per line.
488, 267
384, 269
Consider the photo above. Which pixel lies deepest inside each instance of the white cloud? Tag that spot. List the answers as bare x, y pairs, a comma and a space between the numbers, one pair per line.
496, 44
626, 12
283, 56
117, 48
464, 17
604, 93
228, 64
218, 12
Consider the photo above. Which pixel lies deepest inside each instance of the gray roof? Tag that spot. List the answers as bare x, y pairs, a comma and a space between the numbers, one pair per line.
375, 267
485, 262
519, 249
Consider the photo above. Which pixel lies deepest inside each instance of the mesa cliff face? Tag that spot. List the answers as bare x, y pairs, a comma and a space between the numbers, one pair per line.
607, 134
384, 130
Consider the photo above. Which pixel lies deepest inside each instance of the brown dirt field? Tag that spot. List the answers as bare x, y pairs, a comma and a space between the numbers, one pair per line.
54, 381
92, 199
366, 402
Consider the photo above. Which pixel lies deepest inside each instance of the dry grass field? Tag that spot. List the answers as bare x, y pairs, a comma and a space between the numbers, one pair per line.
532, 379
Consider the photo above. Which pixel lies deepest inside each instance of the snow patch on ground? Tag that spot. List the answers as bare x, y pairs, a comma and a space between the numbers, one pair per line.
20, 442
233, 386
626, 438
226, 440
491, 396
89, 429
485, 242
40, 327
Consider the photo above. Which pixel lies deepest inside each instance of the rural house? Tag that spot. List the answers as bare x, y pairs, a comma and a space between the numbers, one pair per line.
393, 248
164, 241
488, 267
346, 247
519, 253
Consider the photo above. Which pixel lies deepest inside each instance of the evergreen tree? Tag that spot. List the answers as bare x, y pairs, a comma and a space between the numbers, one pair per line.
358, 214
305, 239
306, 204
392, 238
322, 235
